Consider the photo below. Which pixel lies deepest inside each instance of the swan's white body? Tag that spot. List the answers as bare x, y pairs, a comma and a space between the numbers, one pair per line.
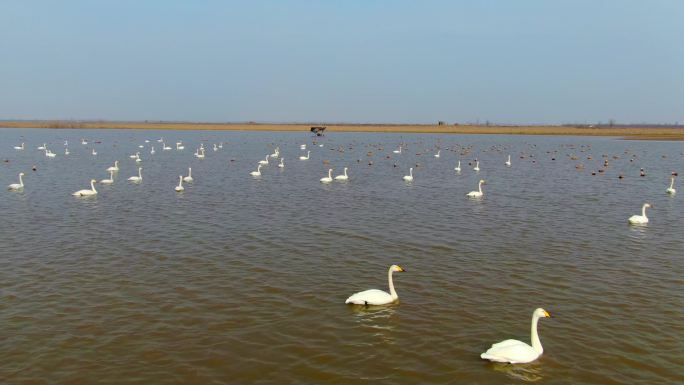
111, 178
66, 151
137, 157
215, 148
83, 141
508, 162
640, 219
200, 155
189, 177
17, 186
115, 167
409, 177
94, 152
276, 153
437, 154
152, 150
282, 163
477, 166
85, 193
265, 161
327, 179
343, 176
50, 154
670, 190
458, 167
165, 147
134, 155
180, 187
257, 172
518, 352
302, 147
305, 157
137, 178
19, 147
179, 146
160, 140
398, 151
375, 296
43, 147
478, 193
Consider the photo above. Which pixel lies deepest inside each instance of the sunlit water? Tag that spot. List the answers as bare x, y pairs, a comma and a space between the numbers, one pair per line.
243, 280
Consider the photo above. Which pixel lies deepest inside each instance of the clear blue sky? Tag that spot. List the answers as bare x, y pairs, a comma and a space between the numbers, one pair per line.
514, 61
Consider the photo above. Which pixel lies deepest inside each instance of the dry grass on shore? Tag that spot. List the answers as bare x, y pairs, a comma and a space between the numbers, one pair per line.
642, 133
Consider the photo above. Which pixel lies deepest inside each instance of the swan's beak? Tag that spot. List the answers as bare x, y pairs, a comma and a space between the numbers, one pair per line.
547, 314
401, 268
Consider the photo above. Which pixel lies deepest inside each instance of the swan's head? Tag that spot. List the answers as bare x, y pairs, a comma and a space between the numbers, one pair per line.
397, 268
93, 181
648, 205
483, 181
541, 313
21, 174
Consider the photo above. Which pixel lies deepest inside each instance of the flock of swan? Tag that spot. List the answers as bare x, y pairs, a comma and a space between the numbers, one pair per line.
507, 351
344, 177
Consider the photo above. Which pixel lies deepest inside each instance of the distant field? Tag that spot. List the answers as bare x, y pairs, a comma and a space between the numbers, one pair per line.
643, 133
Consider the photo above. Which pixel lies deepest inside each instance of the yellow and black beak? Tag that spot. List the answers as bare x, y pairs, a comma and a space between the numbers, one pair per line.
547, 314
401, 268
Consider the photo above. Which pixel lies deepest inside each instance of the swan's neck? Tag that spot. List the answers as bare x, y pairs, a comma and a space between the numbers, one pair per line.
180, 181
536, 344
140, 173
21, 181
330, 173
189, 172
479, 187
345, 171
459, 164
643, 211
92, 186
393, 293
671, 183
411, 172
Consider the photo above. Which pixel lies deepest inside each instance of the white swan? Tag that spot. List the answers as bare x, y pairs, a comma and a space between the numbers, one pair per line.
189, 177
201, 153
518, 352
180, 187
308, 153
398, 151
83, 141
50, 154
670, 190
327, 179
220, 144
215, 148
17, 186
115, 167
276, 153
179, 146
66, 151
138, 178
84, 193
302, 147
437, 154
343, 176
152, 150
19, 147
409, 177
134, 155
375, 296
458, 167
94, 152
257, 172
111, 178
477, 166
477, 194
265, 161
508, 162
640, 219
165, 147
43, 147
137, 157
160, 140
282, 163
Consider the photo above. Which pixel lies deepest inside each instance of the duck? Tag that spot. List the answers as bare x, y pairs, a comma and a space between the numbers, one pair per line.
327, 179
17, 186
342, 177
375, 296
84, 193
640, 219
479, 193
518, 352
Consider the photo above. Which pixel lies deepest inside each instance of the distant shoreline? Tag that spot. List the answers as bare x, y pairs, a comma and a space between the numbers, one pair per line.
637, 133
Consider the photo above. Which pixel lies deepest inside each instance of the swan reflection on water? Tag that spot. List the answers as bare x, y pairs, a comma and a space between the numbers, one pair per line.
531, 372
376, 319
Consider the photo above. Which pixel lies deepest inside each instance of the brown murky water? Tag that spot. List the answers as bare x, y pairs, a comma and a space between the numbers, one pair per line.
243, 280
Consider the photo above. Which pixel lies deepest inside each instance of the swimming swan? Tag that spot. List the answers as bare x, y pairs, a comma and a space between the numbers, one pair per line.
458, 168
640, 219
257, 172
343, 177
138, 178
19, 147
265, 161
189, 177
375, 296
397, 151
437, 154
477, 166
670, 190
111, 178
518, 352
308, 153
478, 193
17, 186
115, 167
327, 179
508, 162
84, 193
409, 177
180, 187
282, 163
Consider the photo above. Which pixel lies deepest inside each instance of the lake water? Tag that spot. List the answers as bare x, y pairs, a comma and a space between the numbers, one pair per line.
240, 280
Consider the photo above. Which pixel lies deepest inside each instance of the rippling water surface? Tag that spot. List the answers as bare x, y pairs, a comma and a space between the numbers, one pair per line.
243, 280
